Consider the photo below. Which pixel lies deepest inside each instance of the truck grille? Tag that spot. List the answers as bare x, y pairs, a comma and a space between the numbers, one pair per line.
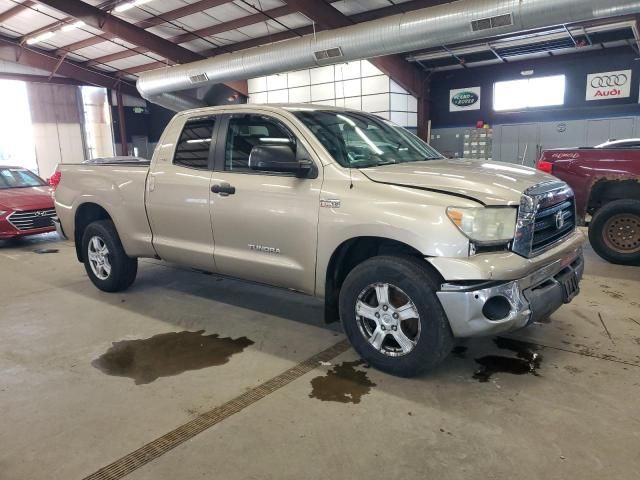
32, 219
545, 217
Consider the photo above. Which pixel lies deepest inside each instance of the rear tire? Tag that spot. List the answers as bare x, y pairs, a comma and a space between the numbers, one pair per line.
106, 263
614, 232
383, 328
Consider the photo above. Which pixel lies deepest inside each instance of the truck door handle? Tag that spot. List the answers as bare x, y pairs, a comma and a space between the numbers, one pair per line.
223, 189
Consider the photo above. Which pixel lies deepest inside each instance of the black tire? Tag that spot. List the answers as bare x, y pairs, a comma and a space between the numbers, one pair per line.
123, 268
412, 278
604, 232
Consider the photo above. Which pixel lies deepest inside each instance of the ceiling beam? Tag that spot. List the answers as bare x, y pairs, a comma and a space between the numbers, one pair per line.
109, 24
25, 77
12, 51
166, 17
13, 11
406, 74
203, 32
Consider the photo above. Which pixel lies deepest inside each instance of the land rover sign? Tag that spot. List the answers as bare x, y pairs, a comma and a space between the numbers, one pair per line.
462, 99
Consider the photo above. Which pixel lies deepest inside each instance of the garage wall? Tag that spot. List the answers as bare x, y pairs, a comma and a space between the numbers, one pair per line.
514, 141
56, 124
358, 85
525, 133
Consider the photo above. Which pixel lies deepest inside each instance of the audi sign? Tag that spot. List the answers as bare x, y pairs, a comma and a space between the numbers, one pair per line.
608, 85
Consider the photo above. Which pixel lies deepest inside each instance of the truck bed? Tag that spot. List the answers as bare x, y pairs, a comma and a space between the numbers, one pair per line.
119, 187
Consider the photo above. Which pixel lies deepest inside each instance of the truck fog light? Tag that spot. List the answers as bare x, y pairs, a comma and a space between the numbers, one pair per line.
496, 308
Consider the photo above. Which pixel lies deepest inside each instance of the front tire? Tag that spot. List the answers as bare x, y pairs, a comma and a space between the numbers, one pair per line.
106, 262
614, 232
392, 316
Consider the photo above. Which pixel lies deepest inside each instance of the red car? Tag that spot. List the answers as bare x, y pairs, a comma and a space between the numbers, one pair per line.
26, 206
606, 182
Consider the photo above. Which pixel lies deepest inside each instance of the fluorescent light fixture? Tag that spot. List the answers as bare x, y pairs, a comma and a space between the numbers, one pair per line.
40, 38
71, 26
199, 140
123, 7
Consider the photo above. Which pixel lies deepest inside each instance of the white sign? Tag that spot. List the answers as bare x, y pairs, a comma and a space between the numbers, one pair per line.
607, 85
462, 99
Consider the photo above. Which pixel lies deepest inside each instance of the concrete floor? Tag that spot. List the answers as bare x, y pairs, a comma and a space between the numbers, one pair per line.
63, 418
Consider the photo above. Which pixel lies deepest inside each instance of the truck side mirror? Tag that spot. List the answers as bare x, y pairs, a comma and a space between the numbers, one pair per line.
279, 158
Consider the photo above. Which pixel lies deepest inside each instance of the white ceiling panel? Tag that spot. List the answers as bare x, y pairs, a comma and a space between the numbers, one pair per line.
105, 68
29, 20
261, 4
231, 36
61, 39
100, 49
351, 7
293, 20
228, 12
198, 45
6, 5
129, 62
197, 21
166, 30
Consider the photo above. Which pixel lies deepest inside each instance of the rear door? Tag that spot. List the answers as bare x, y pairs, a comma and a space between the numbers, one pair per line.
265, 223
178, 192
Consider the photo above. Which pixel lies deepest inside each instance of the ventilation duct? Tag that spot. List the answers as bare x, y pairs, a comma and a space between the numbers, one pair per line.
426, 28
176, 102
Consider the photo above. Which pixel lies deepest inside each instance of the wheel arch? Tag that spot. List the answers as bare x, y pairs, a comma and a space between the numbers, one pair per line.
86, 213
353, 252
607, 190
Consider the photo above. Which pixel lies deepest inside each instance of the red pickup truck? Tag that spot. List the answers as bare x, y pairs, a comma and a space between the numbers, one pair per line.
606, 182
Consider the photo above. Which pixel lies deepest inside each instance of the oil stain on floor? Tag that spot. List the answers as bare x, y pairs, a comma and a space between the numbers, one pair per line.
527, 360
168, 354
343, 383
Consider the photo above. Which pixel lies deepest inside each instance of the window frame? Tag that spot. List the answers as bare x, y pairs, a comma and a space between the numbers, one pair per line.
221, 146
527, 108
212, 145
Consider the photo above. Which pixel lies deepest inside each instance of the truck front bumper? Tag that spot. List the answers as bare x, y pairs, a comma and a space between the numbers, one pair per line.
487, 307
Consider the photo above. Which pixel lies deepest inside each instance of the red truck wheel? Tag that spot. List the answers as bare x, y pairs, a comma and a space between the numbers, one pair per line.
614, 232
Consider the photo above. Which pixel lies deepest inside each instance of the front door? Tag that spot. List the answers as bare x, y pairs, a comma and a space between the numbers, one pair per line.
265, 223
178, 194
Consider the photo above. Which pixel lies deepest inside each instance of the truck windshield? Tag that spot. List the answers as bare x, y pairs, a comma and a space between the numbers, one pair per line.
18, 178
359, 140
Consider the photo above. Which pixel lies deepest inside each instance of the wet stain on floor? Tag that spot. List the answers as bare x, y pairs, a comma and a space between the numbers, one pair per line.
46, 250
168, 354
526, 361
343, 383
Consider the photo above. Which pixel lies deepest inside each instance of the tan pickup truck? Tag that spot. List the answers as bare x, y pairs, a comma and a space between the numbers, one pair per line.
408, 249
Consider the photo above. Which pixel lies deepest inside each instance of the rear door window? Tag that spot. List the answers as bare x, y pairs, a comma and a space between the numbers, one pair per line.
194, 146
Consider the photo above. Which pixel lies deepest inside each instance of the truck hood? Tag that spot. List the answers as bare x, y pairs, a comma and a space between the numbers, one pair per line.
490, 183
29, 198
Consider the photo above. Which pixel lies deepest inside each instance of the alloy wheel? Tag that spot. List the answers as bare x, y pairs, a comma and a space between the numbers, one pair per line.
388, 319
99, 258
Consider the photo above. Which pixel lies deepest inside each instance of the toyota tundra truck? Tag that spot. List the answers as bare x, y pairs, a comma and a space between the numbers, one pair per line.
408, 249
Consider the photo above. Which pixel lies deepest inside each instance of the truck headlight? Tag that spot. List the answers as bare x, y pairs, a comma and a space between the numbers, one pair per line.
485, 225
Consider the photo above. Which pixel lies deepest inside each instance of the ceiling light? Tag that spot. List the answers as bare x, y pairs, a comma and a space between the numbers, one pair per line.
123, 7
40, 38
70, 26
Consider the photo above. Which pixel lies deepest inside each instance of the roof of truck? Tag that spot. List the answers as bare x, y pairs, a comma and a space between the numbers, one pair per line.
274, 107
